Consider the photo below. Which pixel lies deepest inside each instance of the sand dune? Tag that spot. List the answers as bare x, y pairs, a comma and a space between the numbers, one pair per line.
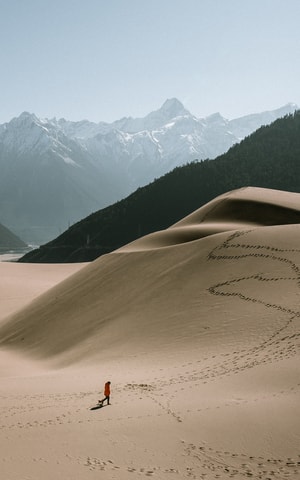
21, 283
236, 210
197, 327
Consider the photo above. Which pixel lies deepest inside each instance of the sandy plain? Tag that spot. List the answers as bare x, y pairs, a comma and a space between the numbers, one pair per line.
197, 328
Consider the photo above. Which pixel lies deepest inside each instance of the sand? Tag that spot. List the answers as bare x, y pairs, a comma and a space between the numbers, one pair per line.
197, 328
20, 283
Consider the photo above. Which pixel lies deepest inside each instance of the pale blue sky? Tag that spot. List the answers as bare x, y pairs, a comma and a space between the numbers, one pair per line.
105, 59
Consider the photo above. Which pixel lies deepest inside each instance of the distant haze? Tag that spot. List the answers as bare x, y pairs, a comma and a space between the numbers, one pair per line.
103, 60
54, 173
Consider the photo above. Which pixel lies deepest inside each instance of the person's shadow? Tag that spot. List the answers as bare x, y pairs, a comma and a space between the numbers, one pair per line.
96, 407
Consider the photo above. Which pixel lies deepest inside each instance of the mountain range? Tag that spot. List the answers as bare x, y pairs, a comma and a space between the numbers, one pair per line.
9, 241
269, 158
56, 172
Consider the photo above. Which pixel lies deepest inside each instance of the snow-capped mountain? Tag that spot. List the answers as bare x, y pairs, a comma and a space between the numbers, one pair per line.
55, 172
164, 139
48, 180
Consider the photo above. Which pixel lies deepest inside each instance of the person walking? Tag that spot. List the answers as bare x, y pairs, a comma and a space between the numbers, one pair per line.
106, 393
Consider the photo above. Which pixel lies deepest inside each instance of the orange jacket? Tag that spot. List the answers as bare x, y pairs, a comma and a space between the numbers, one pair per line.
107, 389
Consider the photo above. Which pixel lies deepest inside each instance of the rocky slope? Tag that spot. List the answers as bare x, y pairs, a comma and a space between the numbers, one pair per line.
56, 172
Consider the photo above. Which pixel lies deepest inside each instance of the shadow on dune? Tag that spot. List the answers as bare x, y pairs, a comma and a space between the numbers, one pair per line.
145, 295
231, 211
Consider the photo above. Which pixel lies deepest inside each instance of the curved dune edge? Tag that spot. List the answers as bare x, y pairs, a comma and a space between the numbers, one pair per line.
175, 236
162, 295
239, 209
201, 344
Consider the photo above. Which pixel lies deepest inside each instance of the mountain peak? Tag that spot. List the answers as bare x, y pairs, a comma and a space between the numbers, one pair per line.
286, 109
25, 116
215, 118
173, 108
170, 109
24, 120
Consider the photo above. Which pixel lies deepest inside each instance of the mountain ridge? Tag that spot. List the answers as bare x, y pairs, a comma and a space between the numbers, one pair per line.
56, 172
9, 241
268, 158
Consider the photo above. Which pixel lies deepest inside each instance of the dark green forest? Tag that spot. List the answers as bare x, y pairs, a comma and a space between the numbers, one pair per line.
269, 158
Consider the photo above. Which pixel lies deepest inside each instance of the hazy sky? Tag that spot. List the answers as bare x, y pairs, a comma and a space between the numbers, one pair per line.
105, 59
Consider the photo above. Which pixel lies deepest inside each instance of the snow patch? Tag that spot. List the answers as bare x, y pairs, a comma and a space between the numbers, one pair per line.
67, 160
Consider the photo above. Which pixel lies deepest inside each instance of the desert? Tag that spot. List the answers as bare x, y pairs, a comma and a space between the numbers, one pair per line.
196, 327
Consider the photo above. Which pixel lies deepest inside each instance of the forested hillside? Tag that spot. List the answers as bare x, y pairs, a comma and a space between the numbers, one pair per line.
268, 158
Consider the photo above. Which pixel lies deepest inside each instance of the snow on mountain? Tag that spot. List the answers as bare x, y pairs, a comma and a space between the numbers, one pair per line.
170, 110
48, 180
84, 129
54, 172
80, 130
164, 139
29, 134
25, 133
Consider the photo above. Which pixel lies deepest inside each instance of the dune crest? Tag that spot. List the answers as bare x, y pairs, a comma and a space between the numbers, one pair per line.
197, 328
239, 209
146, 295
